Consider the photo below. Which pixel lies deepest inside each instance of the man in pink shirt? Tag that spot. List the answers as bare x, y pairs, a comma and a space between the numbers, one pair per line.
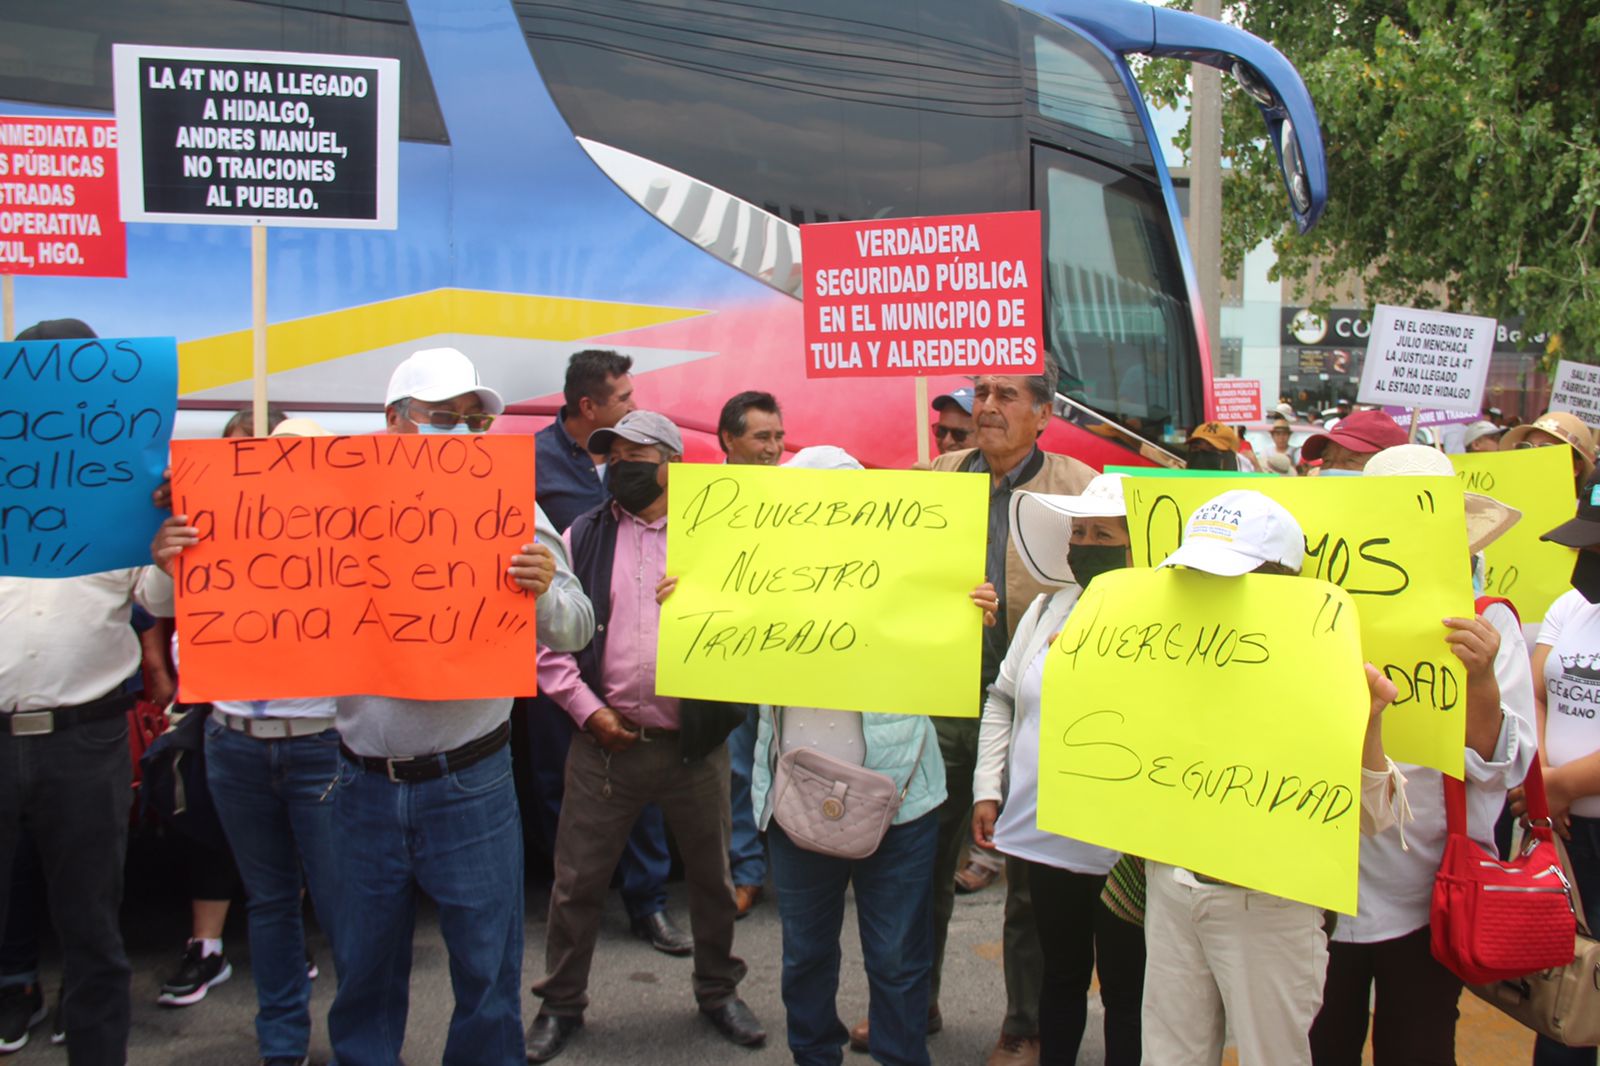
628, 752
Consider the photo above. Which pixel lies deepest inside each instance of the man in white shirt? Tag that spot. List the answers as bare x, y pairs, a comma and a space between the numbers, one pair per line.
66, 649
425, 787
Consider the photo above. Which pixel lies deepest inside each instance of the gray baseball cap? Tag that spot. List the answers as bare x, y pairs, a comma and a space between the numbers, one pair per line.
641, 427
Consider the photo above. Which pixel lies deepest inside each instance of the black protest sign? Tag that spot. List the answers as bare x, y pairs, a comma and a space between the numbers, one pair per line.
257, 138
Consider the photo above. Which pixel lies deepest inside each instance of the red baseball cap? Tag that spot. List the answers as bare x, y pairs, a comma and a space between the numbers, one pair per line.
1359, 431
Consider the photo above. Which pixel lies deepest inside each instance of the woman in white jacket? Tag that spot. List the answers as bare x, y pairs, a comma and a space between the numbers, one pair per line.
1064, 541
1380, 963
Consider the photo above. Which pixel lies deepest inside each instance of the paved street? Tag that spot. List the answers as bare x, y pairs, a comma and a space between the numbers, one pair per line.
642, 1009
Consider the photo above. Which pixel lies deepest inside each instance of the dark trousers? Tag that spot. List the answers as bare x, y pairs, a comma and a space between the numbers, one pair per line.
1413, 1015
72, 791
26, 916
605, 793
1077, 935
958, 744
545, 732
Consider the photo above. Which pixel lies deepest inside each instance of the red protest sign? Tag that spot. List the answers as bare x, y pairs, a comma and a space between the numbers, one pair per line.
1238, 399
336, 565
58, 197
954, 294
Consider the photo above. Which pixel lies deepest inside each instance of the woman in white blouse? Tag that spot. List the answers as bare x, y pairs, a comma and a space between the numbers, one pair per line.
1387, 944
1065, 541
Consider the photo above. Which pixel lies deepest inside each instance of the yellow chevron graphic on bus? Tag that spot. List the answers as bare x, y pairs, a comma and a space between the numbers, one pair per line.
225, 359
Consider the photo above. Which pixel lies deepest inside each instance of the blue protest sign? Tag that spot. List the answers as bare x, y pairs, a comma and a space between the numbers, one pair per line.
84, 428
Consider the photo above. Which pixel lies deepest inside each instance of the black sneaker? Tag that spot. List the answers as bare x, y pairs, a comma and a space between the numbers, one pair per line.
58, 1031
195, 975
285, 1060
21, 1008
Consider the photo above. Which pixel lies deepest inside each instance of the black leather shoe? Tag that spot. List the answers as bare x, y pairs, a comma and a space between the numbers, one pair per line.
549, 1033
663, 935
737, 1022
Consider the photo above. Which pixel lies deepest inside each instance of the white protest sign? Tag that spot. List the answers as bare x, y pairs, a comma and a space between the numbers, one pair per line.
1577, 389
1430, 359
1238, 399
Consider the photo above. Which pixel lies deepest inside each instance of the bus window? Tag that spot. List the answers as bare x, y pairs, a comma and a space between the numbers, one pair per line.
812, 112
1074, 85
58, 52
1118, 320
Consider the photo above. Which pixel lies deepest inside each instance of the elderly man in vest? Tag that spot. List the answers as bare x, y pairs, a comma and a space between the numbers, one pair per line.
631, 750
1010, 413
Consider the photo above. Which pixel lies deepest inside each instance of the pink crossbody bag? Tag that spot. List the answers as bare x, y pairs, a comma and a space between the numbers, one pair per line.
833, 807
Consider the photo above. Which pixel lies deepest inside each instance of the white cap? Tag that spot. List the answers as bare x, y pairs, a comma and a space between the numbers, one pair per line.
1041, 525
1236, 532
1286, 411
1480, 429
823, 457
434, 375
1487, 518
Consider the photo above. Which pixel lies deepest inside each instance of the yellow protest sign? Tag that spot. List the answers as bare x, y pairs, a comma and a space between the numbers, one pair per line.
845, 589
1528, 571
1212, 723
1398, 546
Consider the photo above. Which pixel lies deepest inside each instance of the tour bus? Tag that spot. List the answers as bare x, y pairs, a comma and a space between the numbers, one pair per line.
632, 174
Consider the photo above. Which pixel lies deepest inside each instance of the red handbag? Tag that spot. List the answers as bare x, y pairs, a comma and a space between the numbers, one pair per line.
1494, 920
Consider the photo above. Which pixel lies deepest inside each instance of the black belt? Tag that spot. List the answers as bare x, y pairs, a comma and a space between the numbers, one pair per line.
430, 767
54, 719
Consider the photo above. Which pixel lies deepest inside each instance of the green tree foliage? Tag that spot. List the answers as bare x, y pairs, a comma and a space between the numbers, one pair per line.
1463, 144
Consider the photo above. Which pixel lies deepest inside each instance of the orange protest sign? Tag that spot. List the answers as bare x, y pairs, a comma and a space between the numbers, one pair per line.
331, 566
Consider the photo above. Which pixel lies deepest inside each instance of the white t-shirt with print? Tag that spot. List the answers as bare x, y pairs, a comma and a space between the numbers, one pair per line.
1572, 686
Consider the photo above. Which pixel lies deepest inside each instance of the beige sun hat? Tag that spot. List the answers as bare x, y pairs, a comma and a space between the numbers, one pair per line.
1560, 424
1041, 525
1487, 518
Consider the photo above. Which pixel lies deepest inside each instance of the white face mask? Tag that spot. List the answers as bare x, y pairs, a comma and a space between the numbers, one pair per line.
435, 431
1340, 473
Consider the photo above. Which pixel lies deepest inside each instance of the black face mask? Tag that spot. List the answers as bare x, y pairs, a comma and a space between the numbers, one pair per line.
1211, 461
633, 484
1089, 561
1586, 576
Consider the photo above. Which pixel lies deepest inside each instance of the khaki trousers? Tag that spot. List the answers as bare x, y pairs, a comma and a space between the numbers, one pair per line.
604, 795
1220, 955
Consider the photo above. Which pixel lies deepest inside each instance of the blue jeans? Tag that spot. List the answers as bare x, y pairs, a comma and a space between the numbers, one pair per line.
747, 858
1584, 851
894, 912
457, 838
275, 801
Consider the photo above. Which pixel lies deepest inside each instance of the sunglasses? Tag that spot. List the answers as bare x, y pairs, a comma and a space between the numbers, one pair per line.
958, 435
447, 419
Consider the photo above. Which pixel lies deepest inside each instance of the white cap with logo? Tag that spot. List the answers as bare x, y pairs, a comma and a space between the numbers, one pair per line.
1236, 532
434, 375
